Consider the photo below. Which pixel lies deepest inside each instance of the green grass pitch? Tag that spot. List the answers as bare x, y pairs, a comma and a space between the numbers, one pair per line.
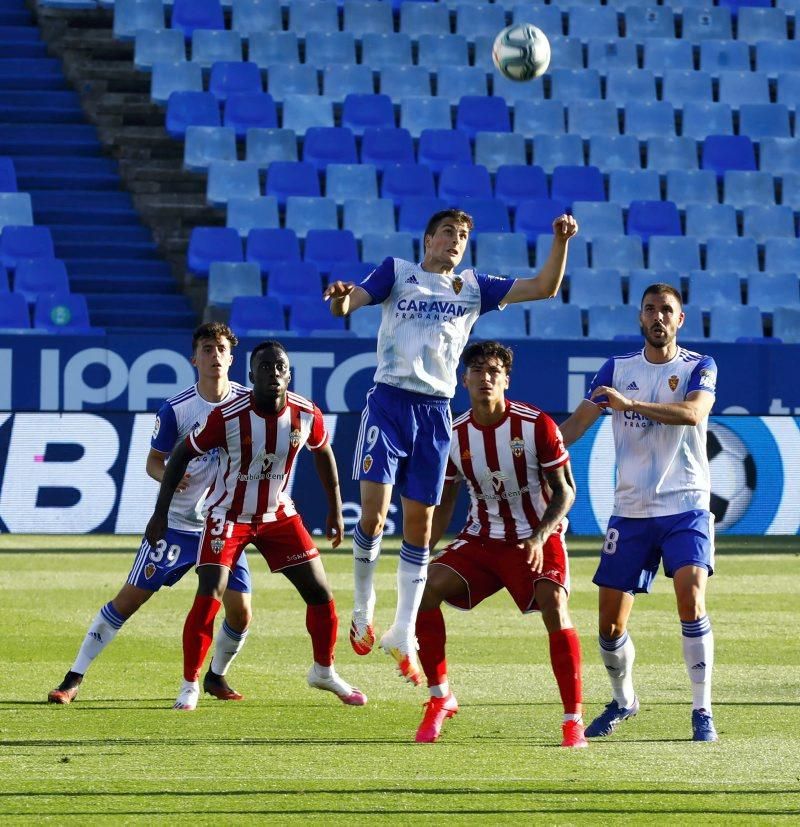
289, 754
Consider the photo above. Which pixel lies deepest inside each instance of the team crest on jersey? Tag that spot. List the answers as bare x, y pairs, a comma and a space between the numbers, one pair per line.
294, 438
149, 570
673, 382
458, 283
367, 464
517, 446
217, 546
156, 427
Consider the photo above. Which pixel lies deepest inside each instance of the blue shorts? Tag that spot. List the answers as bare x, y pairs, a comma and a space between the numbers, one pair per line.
172, 557
634, 547
404, 440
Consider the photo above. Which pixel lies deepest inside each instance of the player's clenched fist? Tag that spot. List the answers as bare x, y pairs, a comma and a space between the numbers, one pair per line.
564, 227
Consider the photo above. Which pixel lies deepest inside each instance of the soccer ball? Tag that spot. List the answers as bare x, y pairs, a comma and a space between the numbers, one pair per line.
521, 52
733, 475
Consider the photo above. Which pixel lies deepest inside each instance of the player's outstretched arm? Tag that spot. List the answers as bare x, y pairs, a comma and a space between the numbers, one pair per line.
443, 512
548, 281
325, 463
173, 474
584, 416
345, 297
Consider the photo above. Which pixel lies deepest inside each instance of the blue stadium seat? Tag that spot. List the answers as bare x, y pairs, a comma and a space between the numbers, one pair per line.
383, 147
598, 218
782, 255
227, 279
592, 117
385, 51
535, 217
401, 181
346, 181
728, 323
586, 285
724, 55
565, 52
608, 321
454, 82
686, 186
254, 110
367, 17
287, 79
511, 323
763, 221
417, 114
545, 117
157, 45
459, 181
549, 19
674, 252
205, 144
186, 109
245, 214
312, 318
61, 313
516, 182
305, 213
324, 15
256, 313
578, 250
304, 112
368, 215
552, 320
188, 15
340, 80
593, 21
762, 24
211, 45
273, 48
435, 50
208, 244
577, 183
230, 78
285, 178
702, 119
264, 146
764, 120
474, 20
683, 85
324, 48
550, 151
721, 153
41, 275
662, 52
477, 113
14, 313
405, 81
424, 18
705, 23
647, 218
378, 246
270, 246
569, 85
706, 220
785, 324
15, 209
232, 179
440, 148
692, 329
256, 17
666, 153
623, 85
640, 280
769, 291
776, 56
327, 248
501, 252
737, 88
743, 188
619, 253
414, 212
134, 16
353, 271
360, 112
649, 22
329, 145
625, 185
489, 214
512, 91
614, 152
366, 322
496, 149
8, 175
788, 86
174, 77
739, 255
21, 242
611, 54
647, 119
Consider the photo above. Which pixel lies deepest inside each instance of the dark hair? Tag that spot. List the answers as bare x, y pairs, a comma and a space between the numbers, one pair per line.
458, 216
268, 344
215, 331
660, 287
481, 351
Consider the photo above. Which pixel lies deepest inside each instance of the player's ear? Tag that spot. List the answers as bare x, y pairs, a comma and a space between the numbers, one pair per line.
681, 319
251, 377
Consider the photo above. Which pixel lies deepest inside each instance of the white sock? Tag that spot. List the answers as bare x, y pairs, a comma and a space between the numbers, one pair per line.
412, 572
573, 716
440, 691
366, 551
323, 671
698, 653
100, 633
226, 647
618, 656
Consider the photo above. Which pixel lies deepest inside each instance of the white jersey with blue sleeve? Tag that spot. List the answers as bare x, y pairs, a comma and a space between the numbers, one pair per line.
427, 319
177, 418
661, 469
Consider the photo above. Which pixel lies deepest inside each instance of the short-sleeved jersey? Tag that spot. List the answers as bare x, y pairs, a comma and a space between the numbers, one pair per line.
256, 455
177, 418
504, 467
661, 469
427, 318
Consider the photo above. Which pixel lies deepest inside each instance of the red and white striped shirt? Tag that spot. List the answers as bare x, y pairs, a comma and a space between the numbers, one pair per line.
257, 452
504, 467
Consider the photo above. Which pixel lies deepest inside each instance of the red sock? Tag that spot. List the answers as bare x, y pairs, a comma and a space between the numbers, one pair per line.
565, 656
432, 637
322, 624
198, 632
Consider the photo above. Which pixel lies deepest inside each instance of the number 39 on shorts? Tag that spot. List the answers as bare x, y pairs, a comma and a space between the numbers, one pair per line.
610, 545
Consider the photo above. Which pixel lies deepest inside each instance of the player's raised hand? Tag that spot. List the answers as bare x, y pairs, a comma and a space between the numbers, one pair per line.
564, 227
612, 398
338, 290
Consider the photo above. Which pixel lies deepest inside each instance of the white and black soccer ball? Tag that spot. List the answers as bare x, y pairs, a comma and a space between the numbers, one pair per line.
521, 52
733, 475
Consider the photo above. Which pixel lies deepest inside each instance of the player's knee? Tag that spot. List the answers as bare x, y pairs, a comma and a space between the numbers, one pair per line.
239, 617
317, 595
372, 524
611, 629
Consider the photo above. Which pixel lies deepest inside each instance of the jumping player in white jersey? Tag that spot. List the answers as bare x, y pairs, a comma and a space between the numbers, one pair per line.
520, 485
428, 312
660, 399
166, 562
258, 437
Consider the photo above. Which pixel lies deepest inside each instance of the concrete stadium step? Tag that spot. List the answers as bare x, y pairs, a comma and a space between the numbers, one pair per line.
113, 282
96, 233
43, 139
144, 318
33, 107
107, 249
43, 173
91, 267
